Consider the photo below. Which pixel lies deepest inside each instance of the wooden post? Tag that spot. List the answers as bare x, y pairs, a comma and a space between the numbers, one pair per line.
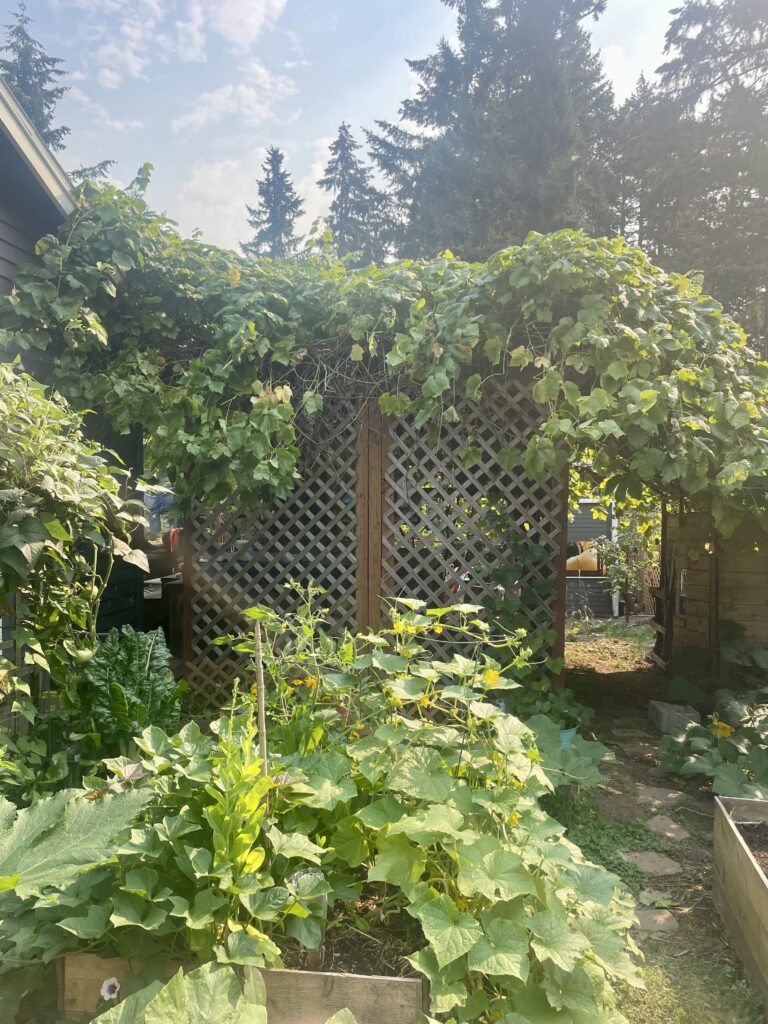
371, 467
558, 648
363, 587
187, 595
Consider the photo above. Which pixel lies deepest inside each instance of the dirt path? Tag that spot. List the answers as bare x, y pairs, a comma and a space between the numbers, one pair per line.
691, 973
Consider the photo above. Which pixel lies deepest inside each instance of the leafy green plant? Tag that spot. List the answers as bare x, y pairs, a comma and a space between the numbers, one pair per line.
540, 698
126, 686
657, 388
624, 560
731, 751
210, 994
395, 791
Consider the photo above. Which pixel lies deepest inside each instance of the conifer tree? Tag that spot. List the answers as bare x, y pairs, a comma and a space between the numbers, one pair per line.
694, 155
357, 207
274, 219
510, 131
32, 76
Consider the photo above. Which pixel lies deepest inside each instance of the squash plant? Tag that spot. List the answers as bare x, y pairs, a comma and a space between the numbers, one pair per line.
395, 788
731, 751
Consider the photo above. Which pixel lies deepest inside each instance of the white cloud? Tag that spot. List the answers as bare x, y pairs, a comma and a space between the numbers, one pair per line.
99, 114
252, 100
145, 30
241, 22
109, 78
214, 195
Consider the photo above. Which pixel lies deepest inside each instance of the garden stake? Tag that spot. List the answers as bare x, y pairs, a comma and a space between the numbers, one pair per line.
260, 699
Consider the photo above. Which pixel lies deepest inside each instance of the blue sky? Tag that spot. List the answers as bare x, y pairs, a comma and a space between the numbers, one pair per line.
201, 87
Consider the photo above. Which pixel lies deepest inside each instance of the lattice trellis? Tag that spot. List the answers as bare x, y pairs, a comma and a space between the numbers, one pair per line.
378, 513
239, 560
435, 540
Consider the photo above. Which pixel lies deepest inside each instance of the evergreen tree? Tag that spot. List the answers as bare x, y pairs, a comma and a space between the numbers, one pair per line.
274, 219
694, 155
357, 207
511, 130
32, 76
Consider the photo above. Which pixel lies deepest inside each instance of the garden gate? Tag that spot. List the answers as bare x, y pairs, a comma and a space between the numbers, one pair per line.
378, 512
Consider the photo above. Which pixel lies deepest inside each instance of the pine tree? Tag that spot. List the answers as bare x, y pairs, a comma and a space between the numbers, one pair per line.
274, 219
511, 130
31, 74
357, 207
694, 154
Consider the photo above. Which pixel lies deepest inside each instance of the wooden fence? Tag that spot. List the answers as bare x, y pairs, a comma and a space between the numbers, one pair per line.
378, 512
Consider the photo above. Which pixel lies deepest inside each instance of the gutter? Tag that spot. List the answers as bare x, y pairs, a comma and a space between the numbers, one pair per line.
44, 166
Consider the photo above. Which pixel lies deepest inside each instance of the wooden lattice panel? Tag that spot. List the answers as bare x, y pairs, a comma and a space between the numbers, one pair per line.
240, 560
434, 544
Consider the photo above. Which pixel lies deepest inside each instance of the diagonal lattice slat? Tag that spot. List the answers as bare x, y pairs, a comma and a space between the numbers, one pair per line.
434, 545
420, 514
239, 560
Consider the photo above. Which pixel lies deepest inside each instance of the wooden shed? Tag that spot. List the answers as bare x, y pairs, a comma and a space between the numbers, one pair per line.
713, 589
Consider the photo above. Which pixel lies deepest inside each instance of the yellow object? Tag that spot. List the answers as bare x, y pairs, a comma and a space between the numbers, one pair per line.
586, 561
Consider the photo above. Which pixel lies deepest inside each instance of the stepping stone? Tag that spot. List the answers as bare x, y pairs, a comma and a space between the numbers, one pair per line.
668, 828
651, 921
654, 864
658, 796
631, 734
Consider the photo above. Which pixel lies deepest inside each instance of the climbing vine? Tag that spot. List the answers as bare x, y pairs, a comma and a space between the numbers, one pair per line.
219, 357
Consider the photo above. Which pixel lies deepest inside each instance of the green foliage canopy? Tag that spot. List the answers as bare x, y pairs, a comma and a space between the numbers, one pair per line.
216, 355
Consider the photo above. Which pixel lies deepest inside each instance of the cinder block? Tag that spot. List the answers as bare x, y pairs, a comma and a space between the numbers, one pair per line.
667, 717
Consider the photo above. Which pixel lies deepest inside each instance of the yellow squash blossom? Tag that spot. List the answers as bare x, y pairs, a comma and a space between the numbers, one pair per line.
513, 819
398, 627
438, 629
424, 702
310, 682
722, 730
491, 677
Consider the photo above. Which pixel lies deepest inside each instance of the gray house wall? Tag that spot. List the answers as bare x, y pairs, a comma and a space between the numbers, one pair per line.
588, 592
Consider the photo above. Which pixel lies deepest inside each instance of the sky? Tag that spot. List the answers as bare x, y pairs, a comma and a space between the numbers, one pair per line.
199, 88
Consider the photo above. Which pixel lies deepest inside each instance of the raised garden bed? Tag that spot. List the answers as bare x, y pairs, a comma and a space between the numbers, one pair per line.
293, 997
741, 882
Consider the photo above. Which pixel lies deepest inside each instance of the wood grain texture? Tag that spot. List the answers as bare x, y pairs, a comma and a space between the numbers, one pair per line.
740, 888
293, 997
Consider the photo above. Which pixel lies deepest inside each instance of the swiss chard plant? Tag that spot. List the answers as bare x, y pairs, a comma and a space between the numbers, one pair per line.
126, 686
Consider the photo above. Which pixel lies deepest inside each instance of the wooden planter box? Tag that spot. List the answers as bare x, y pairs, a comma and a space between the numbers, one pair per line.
293, 997
741, 888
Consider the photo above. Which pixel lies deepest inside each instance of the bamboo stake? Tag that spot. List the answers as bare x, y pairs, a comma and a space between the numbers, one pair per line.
261, 699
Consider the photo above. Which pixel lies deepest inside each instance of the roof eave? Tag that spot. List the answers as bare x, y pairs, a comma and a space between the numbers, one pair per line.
46, 169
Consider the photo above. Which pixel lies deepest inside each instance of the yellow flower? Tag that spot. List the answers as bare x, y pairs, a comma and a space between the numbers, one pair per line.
424, 702
412, 629
397, 702
310, 682
517, 784
438, 628
513, 819
398, 627
407, 654
254, 689
288, 690
354, 735
491, 677
296, 682
722, 730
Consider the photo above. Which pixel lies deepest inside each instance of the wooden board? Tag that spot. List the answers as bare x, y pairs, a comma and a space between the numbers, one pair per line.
293, 997
740, 887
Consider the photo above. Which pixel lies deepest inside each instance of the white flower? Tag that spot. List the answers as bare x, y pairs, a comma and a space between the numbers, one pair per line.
109, 988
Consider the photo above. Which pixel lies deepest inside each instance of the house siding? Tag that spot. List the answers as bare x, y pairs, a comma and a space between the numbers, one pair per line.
17, 244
